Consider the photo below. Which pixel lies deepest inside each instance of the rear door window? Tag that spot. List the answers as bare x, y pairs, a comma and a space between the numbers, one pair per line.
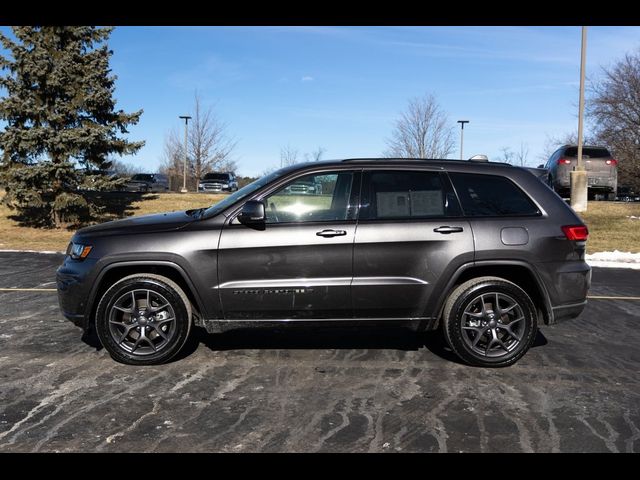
390, 195
491, 195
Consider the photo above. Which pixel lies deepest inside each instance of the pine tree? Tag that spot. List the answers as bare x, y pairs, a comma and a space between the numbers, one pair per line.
60, 112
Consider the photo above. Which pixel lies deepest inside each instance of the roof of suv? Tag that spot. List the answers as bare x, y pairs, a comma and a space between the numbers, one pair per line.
438, 163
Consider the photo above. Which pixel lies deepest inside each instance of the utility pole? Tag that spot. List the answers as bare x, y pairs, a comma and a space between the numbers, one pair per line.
579, 175
462, 122
184, 180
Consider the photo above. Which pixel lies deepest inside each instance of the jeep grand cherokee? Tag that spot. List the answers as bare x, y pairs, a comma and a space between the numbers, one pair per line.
484, 251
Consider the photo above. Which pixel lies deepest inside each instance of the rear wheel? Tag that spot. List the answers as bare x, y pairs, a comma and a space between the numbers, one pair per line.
489, 322
144, 319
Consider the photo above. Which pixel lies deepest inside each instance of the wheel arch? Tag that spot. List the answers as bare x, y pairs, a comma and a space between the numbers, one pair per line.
117, 270
518, 272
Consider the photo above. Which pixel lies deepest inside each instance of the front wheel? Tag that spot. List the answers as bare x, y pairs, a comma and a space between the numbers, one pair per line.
144, 319
489, 322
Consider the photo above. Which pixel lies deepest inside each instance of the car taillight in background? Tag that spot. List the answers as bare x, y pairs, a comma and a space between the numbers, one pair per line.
564, 161
612, 162
577, 233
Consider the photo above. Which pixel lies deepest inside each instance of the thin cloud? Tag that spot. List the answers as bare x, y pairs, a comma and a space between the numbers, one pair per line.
307, 78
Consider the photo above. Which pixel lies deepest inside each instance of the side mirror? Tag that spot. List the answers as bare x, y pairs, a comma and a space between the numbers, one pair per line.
252, 213
541, 165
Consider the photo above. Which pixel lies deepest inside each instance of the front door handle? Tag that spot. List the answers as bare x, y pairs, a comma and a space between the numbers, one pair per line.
448, 230
331, 233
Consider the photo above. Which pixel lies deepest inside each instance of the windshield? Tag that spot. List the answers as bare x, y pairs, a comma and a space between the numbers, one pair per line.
244, 192
143, 176
217, 176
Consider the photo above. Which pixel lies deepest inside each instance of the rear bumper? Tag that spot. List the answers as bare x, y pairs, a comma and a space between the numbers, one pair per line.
567, 285
567, 312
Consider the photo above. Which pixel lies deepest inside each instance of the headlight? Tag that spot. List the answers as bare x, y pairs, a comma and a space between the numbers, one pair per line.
78, 251
226, 185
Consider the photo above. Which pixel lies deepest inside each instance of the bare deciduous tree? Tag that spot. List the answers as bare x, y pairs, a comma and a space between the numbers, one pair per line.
316, 155
288, 156
210, 148
422, 131
521, 156
614, 109
507, 155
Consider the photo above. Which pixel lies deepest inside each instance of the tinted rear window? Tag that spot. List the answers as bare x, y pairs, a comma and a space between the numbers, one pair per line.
587, 152
491, 195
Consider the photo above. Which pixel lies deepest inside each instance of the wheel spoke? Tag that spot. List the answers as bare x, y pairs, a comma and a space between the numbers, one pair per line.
507, 328
508, 309
133, 301
479, 336
162, 322
148, 300
126, 333
124, 310
159, 332
161, 307
489, 345
501, 343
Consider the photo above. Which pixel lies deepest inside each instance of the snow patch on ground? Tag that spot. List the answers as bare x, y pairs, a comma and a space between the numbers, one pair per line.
615, 259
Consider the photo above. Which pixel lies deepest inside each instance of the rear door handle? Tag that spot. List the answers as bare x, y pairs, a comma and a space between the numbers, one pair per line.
331, 233
448, 230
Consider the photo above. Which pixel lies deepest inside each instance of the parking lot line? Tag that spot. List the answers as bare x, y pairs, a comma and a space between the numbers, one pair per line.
602, 297
27, 289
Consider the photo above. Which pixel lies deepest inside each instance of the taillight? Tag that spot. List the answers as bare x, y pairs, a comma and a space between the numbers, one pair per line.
576, 232
612, 162
564, 161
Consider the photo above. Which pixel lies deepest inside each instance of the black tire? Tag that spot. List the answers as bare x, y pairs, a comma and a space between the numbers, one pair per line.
166, 337
464, 323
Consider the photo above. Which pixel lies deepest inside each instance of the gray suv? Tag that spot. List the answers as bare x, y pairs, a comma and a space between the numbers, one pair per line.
483, 251
601, 167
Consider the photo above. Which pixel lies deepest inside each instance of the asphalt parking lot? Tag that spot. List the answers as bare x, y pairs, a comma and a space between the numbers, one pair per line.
578, 388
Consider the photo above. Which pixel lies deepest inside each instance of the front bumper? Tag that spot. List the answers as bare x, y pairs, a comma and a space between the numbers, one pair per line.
213, 188
73, 282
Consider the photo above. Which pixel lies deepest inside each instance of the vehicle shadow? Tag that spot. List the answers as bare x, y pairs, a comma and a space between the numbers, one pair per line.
326, 338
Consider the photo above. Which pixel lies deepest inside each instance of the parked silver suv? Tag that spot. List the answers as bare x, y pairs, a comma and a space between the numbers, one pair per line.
602, 170
484, 251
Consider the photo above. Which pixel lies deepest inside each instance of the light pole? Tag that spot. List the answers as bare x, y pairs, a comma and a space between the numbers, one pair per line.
462, 122
184, 180
578, 177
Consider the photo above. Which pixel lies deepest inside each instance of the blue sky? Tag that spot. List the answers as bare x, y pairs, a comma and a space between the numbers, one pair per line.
341, 88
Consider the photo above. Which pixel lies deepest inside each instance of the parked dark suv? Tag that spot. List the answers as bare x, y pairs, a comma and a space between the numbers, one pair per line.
484, 251
218, 182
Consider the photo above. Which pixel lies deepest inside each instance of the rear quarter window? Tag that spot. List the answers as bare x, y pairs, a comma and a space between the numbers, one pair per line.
491, 195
